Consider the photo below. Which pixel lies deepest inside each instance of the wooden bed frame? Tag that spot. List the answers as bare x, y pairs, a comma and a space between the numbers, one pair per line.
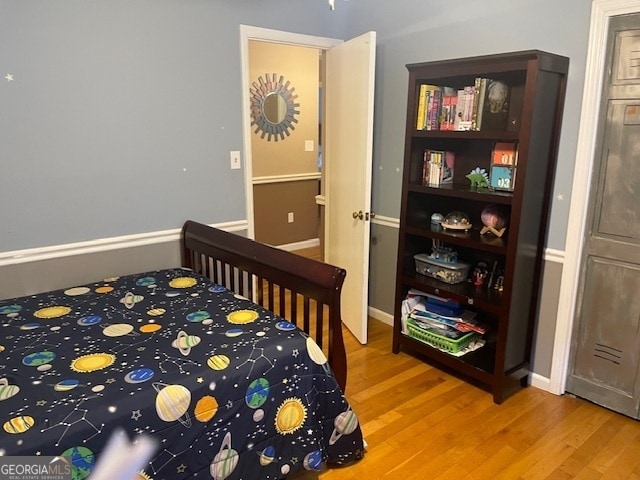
306, 292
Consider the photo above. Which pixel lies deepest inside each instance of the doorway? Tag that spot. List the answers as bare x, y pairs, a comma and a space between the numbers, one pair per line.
348, 88
285, 143
247, 34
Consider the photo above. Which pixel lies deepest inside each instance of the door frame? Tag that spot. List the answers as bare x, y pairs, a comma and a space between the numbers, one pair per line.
247, 33
601, 12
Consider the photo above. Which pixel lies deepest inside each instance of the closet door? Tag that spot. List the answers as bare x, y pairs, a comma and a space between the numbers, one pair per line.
605, 351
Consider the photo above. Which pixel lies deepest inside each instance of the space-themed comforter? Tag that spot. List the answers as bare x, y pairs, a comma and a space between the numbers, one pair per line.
227, 388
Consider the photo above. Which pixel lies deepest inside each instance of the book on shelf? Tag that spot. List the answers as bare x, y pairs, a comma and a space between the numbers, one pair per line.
438, 328
426, 168
429, 99
434, 107
448, 113
421, 115
430, 313
504, 162
478, 102
464, 111
448, 166
438, 167
470, 341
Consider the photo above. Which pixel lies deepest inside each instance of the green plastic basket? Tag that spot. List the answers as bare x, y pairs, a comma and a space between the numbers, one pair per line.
439, 341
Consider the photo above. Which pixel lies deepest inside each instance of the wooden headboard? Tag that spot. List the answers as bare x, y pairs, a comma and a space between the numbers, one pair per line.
304, 291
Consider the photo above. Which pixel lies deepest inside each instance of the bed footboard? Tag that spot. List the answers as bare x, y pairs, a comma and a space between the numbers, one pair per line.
306, 292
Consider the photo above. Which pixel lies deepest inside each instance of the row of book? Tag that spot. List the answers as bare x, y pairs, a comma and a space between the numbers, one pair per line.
482, 106
437, 167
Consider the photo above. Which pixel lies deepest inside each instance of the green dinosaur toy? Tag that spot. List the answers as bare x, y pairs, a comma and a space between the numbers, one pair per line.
478, 177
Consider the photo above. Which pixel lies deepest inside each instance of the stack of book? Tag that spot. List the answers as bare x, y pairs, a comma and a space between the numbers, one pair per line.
481, 106
448, 316
442, 323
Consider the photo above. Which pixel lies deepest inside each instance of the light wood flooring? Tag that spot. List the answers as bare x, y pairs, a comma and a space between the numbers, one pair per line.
421, 424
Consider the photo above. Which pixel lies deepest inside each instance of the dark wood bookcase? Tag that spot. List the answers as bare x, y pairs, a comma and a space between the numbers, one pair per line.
537, 82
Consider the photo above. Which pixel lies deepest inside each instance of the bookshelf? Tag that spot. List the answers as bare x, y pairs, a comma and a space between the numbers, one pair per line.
533, 83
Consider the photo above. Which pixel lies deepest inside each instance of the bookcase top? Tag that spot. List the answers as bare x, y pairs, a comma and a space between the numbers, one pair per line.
513, 60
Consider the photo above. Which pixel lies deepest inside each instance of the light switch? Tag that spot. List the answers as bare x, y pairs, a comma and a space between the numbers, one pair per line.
308, 145
235, 159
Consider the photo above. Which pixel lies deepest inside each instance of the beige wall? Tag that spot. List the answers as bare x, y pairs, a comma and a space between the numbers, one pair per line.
287, 157
300, 66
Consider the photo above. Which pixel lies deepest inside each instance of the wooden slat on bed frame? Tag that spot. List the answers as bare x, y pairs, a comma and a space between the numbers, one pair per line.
302, 290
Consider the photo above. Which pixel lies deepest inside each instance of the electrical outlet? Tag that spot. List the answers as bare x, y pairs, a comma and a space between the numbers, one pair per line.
290, 217
234, 156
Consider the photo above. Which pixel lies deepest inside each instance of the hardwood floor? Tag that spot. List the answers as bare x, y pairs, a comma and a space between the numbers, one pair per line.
421, 423
311, 252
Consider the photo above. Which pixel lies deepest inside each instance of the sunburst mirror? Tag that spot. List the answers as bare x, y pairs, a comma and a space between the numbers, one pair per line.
273, 107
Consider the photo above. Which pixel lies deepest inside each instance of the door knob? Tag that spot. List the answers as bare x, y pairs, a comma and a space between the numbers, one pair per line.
358, 215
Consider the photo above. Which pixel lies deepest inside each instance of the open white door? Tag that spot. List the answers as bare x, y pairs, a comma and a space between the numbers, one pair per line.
349, 145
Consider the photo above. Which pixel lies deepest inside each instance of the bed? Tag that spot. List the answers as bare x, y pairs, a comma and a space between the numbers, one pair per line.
234, 362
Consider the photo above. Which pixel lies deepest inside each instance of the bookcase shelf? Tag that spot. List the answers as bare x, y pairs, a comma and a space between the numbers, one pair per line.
464, 191
478, 364
474, 135
471, 238
535, 82
489, 301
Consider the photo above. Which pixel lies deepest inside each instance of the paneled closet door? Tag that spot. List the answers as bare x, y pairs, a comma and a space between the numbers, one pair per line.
605, 351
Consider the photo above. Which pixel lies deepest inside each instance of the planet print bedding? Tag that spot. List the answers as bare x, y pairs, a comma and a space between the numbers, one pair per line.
228, 389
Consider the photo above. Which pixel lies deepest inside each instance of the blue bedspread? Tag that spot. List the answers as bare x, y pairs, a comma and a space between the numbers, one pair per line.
229, 389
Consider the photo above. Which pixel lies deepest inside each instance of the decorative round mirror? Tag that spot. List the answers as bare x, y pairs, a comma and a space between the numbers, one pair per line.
273, 110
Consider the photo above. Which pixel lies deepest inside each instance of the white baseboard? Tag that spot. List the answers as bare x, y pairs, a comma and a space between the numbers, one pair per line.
384, 317
543, 383
291, 247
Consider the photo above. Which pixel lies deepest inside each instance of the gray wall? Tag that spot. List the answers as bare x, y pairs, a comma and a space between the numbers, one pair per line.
460, 29
122, 113
382, 267
28, 278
